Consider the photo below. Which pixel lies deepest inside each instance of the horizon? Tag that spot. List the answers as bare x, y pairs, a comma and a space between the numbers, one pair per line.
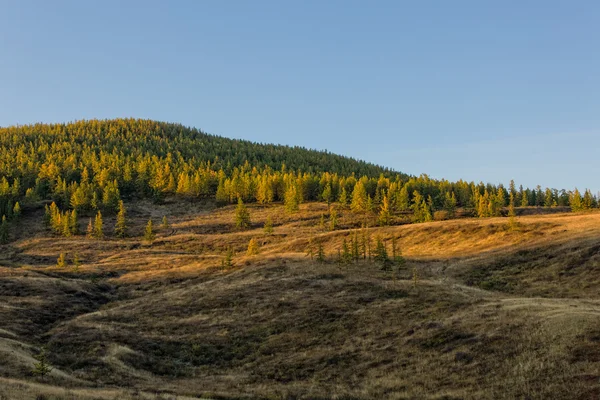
478, 93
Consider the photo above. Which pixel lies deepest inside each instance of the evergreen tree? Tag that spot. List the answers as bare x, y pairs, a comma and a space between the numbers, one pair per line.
41, 367
76, 261
89, 233
512, 220
149, 232
346, 253
327, 194
74, 223
575, 201
291, 198
359, 197
320, 253
384, 211
61, 261
450, 204
253, 248
165, 223
268, 228
98, 226
16, 210
343, 197
121, 224
381, 255
4, 230
333, 219
242, 216
227, 261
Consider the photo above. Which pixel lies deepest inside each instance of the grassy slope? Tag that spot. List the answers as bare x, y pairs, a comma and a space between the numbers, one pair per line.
495, 314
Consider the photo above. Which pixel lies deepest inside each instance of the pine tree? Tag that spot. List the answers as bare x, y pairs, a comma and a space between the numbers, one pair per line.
343, 197
227, 261
74, 223
98, 226
165, 223
359, 197
346, 253
291, 198
450, 204
575, 201
384, 211
61, 261
76, 262
66, 224
327, 194
512, 220
320, 253
89, 233
47, 216
242, 216
253, 248
381, 255
16, 210
41, 367
149, 232
121, 224
268, 228
4, 230
333, 219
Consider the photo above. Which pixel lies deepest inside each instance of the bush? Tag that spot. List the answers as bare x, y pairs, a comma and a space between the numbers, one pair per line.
441, 215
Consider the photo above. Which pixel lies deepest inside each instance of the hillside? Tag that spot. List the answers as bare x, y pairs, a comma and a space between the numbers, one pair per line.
479, 309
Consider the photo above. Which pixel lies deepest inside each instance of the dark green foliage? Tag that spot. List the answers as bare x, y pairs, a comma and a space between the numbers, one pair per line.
41, 367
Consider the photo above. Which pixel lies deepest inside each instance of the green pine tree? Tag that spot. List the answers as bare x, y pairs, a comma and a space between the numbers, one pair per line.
41, 367
121, 224
98, 226
149, 232
242, 216
268, 228
253, 248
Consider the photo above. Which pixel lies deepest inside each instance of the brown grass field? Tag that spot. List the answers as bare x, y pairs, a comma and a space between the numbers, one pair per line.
495, 313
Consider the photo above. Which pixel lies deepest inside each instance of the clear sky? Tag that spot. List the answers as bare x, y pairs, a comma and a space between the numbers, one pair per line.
478, 90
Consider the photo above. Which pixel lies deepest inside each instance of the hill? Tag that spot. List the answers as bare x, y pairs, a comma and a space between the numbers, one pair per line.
478, 309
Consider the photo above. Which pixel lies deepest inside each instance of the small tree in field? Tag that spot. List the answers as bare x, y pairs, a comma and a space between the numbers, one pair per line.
320, 253
242, 216
165, 222
61, 261
227, 262
268, 228
149, 232
253, 248
98, 226
41, 367
121, 225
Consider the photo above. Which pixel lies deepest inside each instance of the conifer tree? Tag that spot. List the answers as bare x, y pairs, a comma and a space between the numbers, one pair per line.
66, 224
76, 261
242, 216
74, 223
346, 253
89, 233
575, 201
381, 255
291, 198
320, 253
268, 228
47, 216
41, 367
384, 211
61, 261
227, 261
343, 200
16, 210
450, 204
253, 248
327, 194
121, 224
333, 219
322, 221
359, 197
98, 226
512, 220
165, 222
4, 230
149, 232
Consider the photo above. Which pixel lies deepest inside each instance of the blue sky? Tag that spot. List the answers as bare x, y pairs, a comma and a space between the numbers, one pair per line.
478, 90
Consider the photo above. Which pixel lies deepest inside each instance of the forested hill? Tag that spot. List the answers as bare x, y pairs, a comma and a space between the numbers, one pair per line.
137, 138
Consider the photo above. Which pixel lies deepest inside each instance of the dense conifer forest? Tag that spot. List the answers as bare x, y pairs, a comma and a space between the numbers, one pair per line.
88, 166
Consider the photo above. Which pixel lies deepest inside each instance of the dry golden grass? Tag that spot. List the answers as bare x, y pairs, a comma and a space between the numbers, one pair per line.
496, 313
